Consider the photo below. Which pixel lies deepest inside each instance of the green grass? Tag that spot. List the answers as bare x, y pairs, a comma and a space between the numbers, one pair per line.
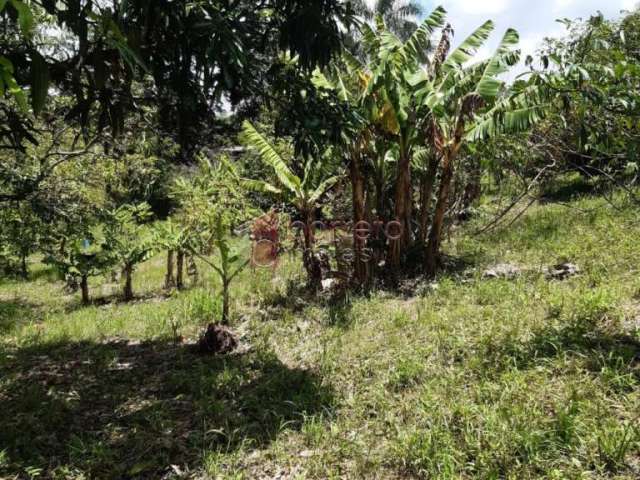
473, 378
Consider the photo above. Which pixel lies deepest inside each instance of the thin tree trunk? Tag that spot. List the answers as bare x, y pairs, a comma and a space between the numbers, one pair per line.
24, 268
379, 242
380, 200
180, 270
225, 302
361, 268
84, 287
403, 208
170, 279
473, 188
435, 235
193, 269
426, 192
128, 283
314, 273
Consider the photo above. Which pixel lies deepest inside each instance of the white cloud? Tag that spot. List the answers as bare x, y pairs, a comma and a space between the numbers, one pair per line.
479, 7
560, 5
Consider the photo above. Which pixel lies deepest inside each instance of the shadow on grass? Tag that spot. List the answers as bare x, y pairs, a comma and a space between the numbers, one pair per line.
616, 354
118, 299
43, 272
123, 410
455, 266
338, 304
14, 312
569, 187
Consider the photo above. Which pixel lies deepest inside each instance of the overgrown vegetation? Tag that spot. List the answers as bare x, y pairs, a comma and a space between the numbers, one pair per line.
319, 239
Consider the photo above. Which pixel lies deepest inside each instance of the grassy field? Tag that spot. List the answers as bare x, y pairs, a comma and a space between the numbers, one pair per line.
466, 378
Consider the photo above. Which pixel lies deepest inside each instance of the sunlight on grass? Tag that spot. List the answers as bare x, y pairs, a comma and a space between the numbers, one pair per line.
475, 378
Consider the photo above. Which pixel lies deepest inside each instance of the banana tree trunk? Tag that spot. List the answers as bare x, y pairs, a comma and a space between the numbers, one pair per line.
426, 192
378, 243
435, 234
380, 199
170, 279
403, 207
193, 270
311, 265
361, 268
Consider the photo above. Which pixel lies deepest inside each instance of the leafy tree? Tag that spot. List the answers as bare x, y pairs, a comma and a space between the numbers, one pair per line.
24, 171
594, 72
399, 15
21, 233
127, 240
137, 170
83, 257
212, 204
178, 240
186, 58
304, 193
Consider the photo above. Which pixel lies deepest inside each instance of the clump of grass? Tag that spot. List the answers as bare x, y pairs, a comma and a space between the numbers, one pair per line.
406, 373
199, 306
615, 441
587, 310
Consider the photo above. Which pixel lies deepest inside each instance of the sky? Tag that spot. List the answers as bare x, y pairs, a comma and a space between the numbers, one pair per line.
533, 19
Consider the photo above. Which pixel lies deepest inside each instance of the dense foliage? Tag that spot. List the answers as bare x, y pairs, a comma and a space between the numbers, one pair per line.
399, 128
322, 182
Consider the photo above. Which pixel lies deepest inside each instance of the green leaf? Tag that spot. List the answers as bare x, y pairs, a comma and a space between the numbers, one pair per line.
119, 41
269, 155
420, 40
25, 17
501, 121
260, 186
319, 80
370, 40
6, 64
141, 467
489, 85
15, 90
352, 62
468, 47
323, 188
39, 82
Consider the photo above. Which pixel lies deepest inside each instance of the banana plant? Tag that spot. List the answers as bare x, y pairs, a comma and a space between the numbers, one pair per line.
463, 101
229, 264
389, 92
212, 204
128, 240
430, 102
178, 241
303, 193
85, 256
